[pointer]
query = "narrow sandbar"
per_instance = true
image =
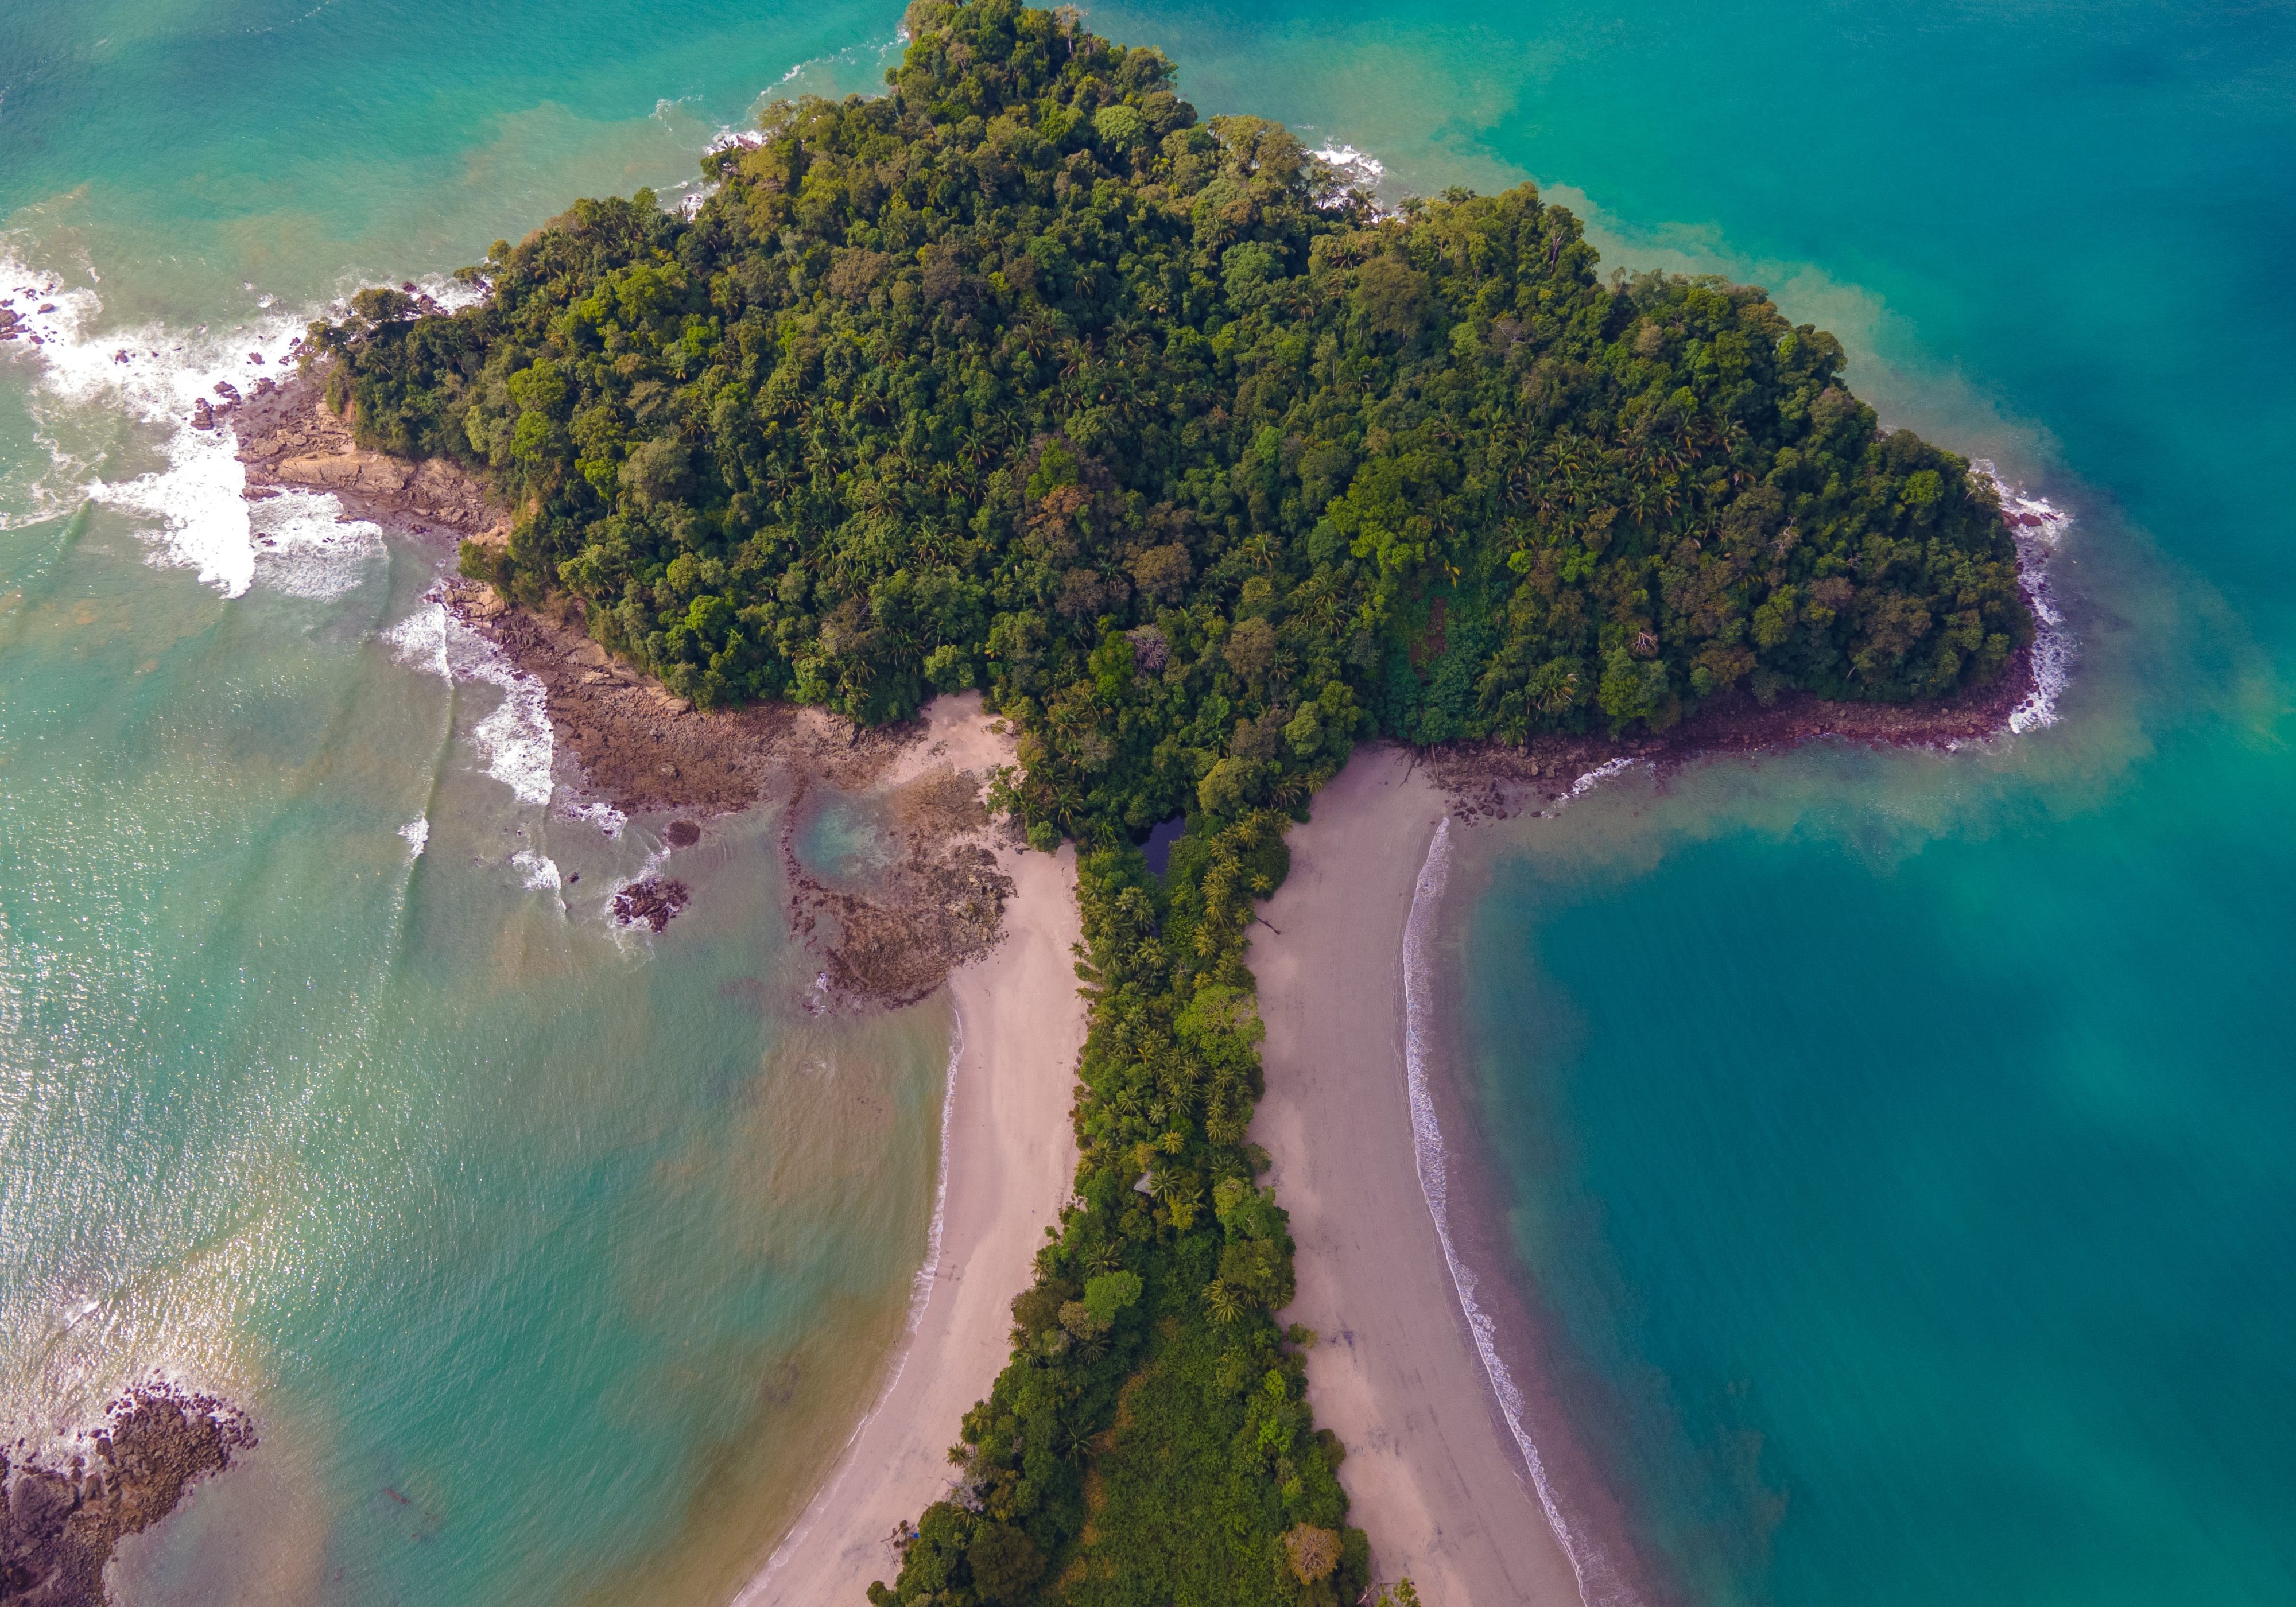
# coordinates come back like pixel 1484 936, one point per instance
pixel 1009 1160
pixel 1431 1471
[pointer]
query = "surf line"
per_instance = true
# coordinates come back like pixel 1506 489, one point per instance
pixel 920 1296
pixel 1594 1588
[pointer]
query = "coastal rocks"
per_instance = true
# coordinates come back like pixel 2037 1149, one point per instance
pixel 485 602
pixel 939 902
pixel 58 1524
pixel 643 750
pixel 365 471
pixel 1488 781
pixel 640 749
pixel 202 415
pixel 654 902
pixel 289 440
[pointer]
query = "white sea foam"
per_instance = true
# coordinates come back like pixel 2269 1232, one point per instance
pixel 304 546
pixel 1587 782
pixel 607 818
pixel 1352 170
pixel 2039 529
pixel 417 833
pixel 515 741
pixel 153 374
pixel 540 870
pixel 1357 165
pixel 194 509
pixel 420 640
pixel 1598 1584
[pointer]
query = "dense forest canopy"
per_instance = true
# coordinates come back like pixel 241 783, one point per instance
pixel 1020 376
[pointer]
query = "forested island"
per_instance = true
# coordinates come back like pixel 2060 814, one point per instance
pixel 1203 469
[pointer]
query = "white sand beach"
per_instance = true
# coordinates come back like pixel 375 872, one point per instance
pixel 1431 1472
pixel 1010 1159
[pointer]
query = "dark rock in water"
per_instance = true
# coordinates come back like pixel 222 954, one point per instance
pixel 58 1524
pixel 8 319
pixel 228 391
pixel 255 357
pixel 202 415
pixel 45 307
pixel 682 834
pixel 655 901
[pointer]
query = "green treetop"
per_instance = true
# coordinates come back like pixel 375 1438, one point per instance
pixel 1020 376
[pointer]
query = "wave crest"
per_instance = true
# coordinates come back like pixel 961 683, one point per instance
pixel 1598 1585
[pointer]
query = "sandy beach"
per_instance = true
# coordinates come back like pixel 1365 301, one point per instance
pixel 1009 1160
pixel 1430 1472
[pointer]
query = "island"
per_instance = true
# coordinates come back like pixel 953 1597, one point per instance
pixel 1202 468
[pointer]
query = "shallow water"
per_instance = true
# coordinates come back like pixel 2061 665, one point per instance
pixel 1891 1140
pixel 551 1258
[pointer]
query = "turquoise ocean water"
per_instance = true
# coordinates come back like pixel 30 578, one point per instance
pixel 1894 1145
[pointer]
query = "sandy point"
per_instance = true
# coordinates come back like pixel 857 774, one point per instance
pixel 1431 1472
pixel 1009 1160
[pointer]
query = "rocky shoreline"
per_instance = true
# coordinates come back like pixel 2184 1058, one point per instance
pixel 288 440
pixel 641 750
pixel 1494 781
pixel 58 1522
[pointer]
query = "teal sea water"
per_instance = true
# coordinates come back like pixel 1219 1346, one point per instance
pixel 1893 1145
pixel 553 1260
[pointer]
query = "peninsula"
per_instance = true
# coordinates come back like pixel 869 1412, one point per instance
pixel 1202 468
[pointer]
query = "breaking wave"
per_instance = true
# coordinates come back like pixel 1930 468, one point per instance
pixel 2040 527
pixel 193 509
pixel 515 744
pixel 1596 1586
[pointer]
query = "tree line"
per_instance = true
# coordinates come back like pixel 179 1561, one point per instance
pixel 1203 469
pixel 1022 377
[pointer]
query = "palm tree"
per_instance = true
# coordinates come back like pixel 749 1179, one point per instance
pixel 1075 1443
pixel 1220 1300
